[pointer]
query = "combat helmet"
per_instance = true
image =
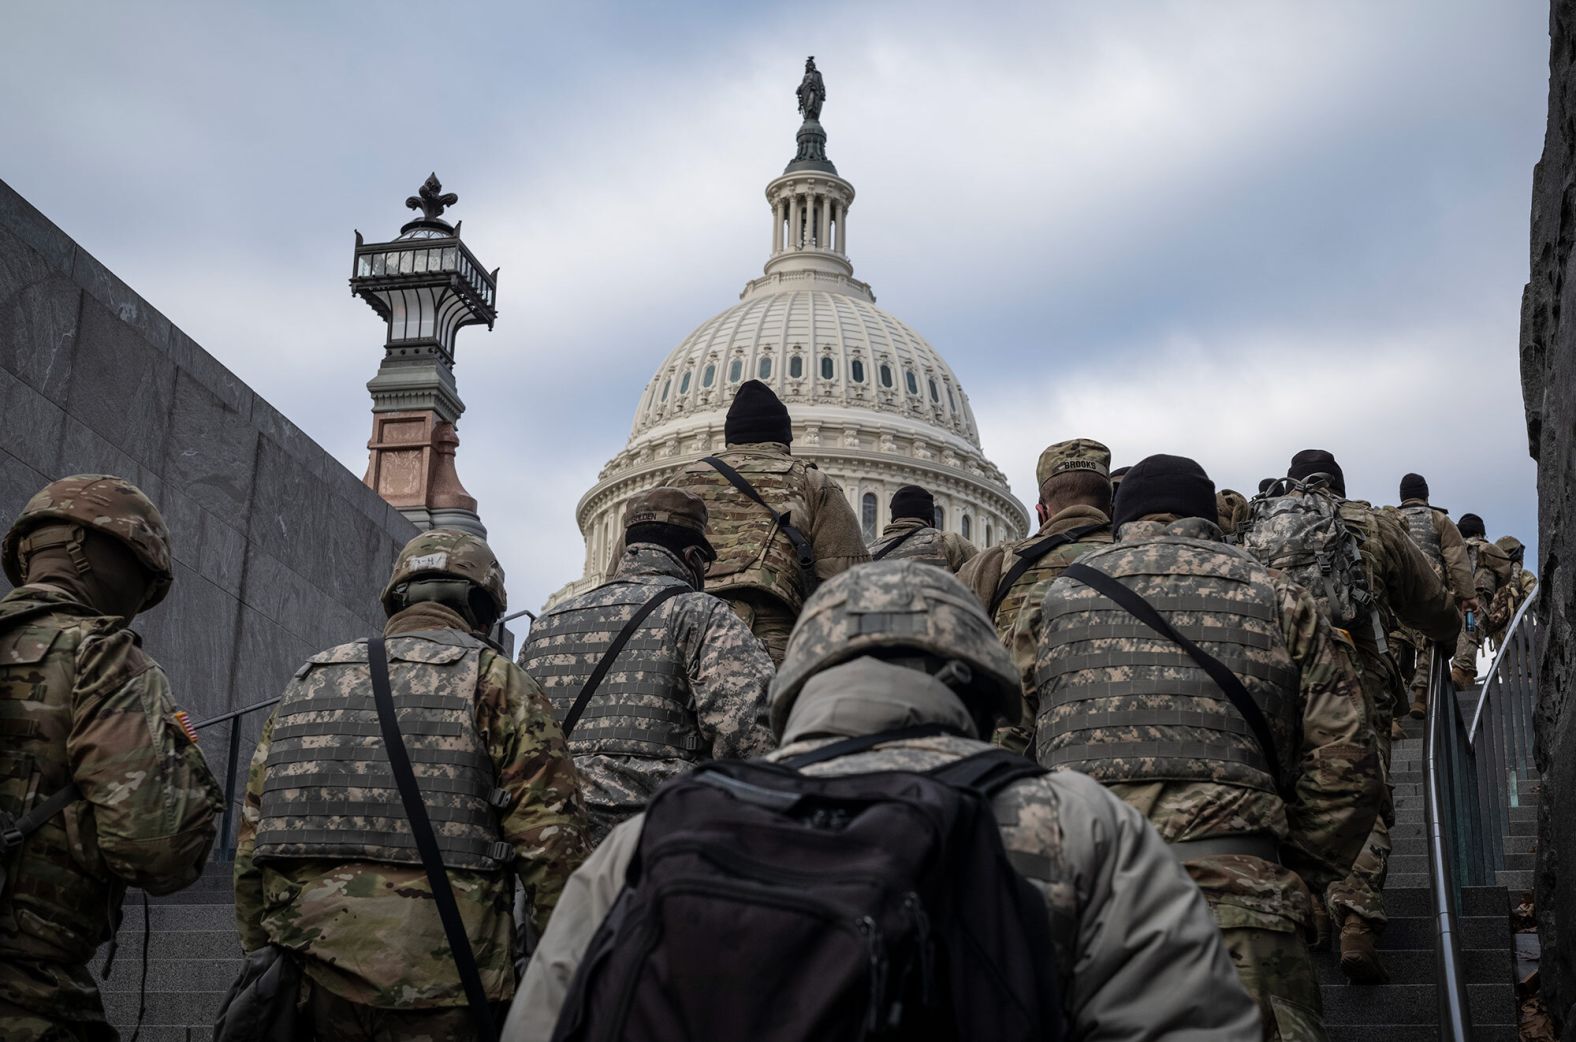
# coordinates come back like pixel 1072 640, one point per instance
pixel 446 553
pixel 1512 546
pixel 104 503
pixel 893 605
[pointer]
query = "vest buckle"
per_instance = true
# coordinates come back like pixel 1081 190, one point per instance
pixel 500 798
pixel 501 852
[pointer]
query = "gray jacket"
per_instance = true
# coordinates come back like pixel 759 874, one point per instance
pixel 1141 959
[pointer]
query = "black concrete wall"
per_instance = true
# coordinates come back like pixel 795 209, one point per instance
pixel 1548 354
pixel 279 550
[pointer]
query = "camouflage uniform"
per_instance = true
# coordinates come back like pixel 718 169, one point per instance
pixel 1508 598
pixel 364 923
pixel 1437 536
pixel 1286 654
pixel 690 685
pixel 81 703
pixel 1490 570
pixel 927 543
pixel 757 571
pixel 1106 878
pixel 1232 506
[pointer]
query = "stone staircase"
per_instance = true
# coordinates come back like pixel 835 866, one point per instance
pixel 193 957
pixel 1406 1009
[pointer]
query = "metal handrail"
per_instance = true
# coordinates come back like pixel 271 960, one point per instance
pixel 1455 1017
pixel 1505 644
pixel 227 823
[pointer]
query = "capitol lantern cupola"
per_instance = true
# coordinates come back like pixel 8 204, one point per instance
pixel 426 286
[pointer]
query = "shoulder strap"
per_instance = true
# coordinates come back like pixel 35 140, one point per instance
pixel 1030 554
pixel 859 743
pixel 12 834
pixel 801 545
pixel 894 544
pixel 987 772
pixel 1228 682
pixel 605 664
pixel 427 844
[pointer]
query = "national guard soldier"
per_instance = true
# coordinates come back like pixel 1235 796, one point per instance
pixel 347 895
pixel 1437 536
pixel 1250 751
pixel 689 684
pixel 779 525
pixel 900 650
pixel 1508 598
pixel 101 783
pixel 913 534
pixel 1074 510
pixel 1490 571
pixel 1398 588
pixel 1116 479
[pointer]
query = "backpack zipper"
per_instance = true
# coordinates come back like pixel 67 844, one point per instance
pixel 916 911
pixel 876 951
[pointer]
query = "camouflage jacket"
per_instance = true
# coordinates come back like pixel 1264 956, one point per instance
pixel 913 539
pixel 1337 787
pixel 1135 944
pixel 370 929
pixel 1017 618
pixel 80 702
pixel 1454 566
pixel 1507 601
pixel 1491 569
pixel 751 552
pixel 721 673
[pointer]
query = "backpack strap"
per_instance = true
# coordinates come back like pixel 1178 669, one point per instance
pixel 427 844
pixel 859 743
pixel 801 545
pixel 894 544
pixel 1228 682
pixel 605 664
pixel 13 832
pixel 987 772
pixel 1030 554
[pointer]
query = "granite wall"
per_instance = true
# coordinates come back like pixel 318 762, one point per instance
pixel 1548 353
pixel 279 550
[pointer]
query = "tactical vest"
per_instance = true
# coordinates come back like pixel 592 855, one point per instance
pixel 54 905
pixel 1121 703
pixel 925 545
pixel 643 706
pixel 1419 518
pixel 1047 567
pixel 752 551
pixel 329 792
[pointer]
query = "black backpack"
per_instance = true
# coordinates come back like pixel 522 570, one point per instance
pixel 769 905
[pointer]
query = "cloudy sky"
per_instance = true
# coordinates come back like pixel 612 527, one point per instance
pixel 1224 229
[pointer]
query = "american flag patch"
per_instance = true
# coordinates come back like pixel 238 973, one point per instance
pixel 186 725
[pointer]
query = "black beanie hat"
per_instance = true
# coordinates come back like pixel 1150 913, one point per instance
pixel 757 415
pixel 1414 486
pixel 1164 485
pixel 1309 462
pixel 914 501
pixel 1472 525
pixel 1264 485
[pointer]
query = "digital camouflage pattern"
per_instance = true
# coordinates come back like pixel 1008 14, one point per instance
pixel 1017 618
pixel 752 553
pixel 368 930
pixel 105 504
pixel 911 539
pixel 895 605
pixel 1232 508
pixel 690 685
pixel 81 702
pixel 326 743
pixel 447 553
pixel 1338 781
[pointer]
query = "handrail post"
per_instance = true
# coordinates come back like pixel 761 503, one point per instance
pixel 226 842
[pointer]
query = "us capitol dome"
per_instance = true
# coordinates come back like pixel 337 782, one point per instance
pixel 873 404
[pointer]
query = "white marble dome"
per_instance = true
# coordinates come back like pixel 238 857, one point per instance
pixel 873 404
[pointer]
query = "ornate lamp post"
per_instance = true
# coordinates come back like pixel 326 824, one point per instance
pixel 426 286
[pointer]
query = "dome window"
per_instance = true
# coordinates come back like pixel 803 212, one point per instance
pixel 828 368
pixel 708 376
pixel 684 383
pixel 952 403
pixel 941 517
pixel 856 370
pixel 867 515
pixel 886 375
pixel 968 527
pixel 990 534
pixel 912 384
pixel 935 392
pixel 764 370
pixel 796 367
pixel 735 370
pixel 666 384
